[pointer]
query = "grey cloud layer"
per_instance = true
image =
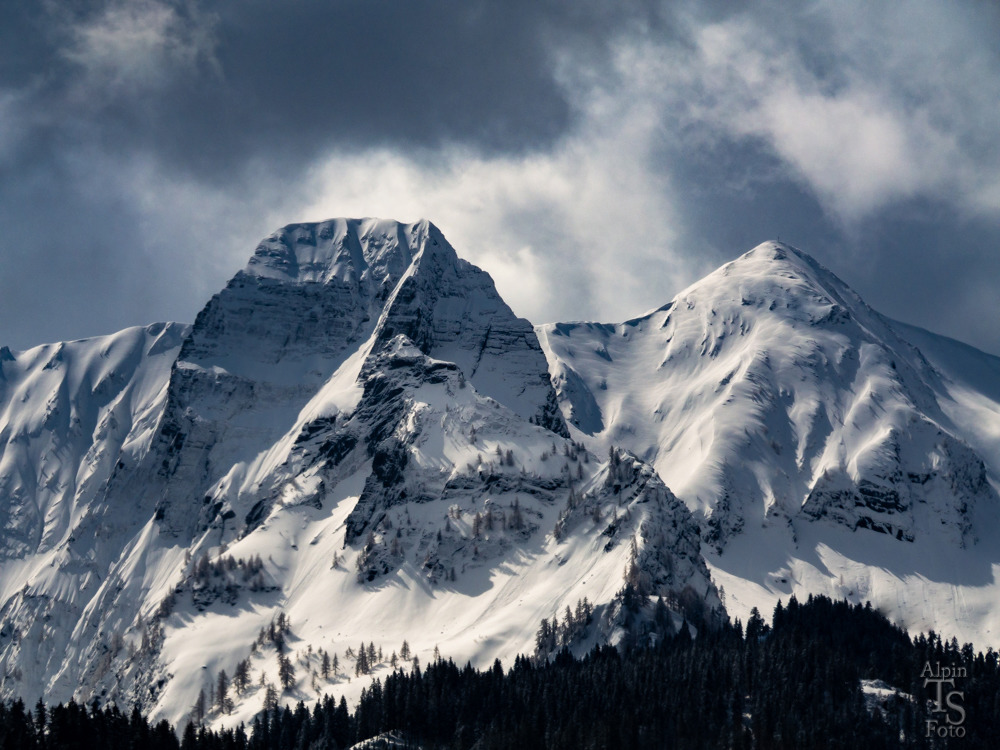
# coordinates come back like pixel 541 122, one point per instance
pixel 594 157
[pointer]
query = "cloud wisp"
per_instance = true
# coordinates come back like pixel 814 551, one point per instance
pixel 898 115
pixel 596 226
pixel 130 45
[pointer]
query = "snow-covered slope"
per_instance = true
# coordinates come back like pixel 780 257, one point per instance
pixel 356 441
pixel 65 413
pixel 969 389
pixel 820 448
pixel 70 415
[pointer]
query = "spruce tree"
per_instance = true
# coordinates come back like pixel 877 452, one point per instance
pixel 286 672
pixel 241 676
pixel 361 666
pixel 222 700
pixel 198 709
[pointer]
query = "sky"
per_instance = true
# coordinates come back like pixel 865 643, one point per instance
pixel 595 157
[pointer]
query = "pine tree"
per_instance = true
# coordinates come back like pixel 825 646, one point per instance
pixel 198 709
pixel 286 672
pixel 404 651
pixel 270 697
pixel 190 739
pixel 361 666
pixel 516 519
pixel 222 699
pixel 756 627
pixel 41 717
pixel 542 637
pixel 241 676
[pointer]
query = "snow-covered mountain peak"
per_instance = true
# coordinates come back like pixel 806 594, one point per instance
pixel 776 277
pixel 344 248
pixel 317 298
pixel 769 389
pixel 370 254
pixel 775 250
pixel 780 407
pixel 772 258
pixel 313 389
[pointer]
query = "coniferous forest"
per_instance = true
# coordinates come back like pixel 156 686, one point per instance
pixel 794 683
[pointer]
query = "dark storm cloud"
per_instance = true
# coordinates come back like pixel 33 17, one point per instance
pixel 222 94
pixel 618 150
pixel 209 85
pixel 109 109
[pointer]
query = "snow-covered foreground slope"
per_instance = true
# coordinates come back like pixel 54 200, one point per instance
pixel 821 450
pixel 357 441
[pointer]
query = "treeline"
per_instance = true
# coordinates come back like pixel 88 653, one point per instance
pixel 793 683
